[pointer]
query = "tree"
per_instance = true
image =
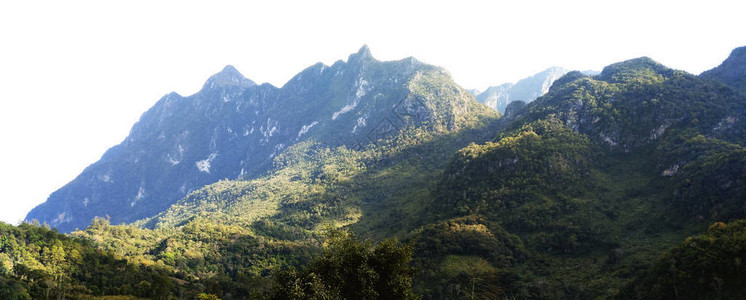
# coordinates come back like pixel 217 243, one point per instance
pixel 53 258
pixel 161 286
pixel 351 269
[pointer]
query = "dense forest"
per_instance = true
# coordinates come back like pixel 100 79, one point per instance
pixel 39 263
pixel 629 184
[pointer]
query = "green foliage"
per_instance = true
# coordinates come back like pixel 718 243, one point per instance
pixel 705 266
pixel 40 263
pixel 461 257
pixel 351 269
pixel 634 103
pixel 709 176
pixel 640 70
pixel 471 235
pixel 543 163
pixel 603 172
pixel 205 296
pixel 225 260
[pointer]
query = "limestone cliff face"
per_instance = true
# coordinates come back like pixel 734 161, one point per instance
pixel 233 128
pixel 526 90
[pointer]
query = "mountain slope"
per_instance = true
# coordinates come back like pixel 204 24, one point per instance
pixel 527 89
pixel 705 266
pixel 732 71
pixel 339 182
pixel 242 229
pixel 604 172
pixel 232 128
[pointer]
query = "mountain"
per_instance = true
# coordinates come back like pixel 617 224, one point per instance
pixel 235 233
pixel 233 128
pixel 527 89
pixel 629 184
pixel 603 172
pixel 732 71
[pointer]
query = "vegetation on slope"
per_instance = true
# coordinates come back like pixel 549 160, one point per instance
pixel 705 266
pixel 603 172
pixel 351 269
pixel 39 263
pixel 732 71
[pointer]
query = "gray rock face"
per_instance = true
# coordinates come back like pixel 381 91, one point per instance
pixel 496 97
pixel 233 128
pixel 527 89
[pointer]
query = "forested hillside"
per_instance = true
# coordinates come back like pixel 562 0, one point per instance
pixel 601 175
pixel 39 263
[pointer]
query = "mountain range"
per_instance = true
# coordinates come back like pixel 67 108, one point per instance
pixel 526 90
pixel 629 183
pixel 232 128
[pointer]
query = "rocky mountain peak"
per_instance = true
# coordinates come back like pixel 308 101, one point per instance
pixel 229 76
pixel 527 89
pixel 362 55
pixel 233 128
pixel 739 52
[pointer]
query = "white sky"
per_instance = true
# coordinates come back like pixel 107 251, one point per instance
pixel 76 75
